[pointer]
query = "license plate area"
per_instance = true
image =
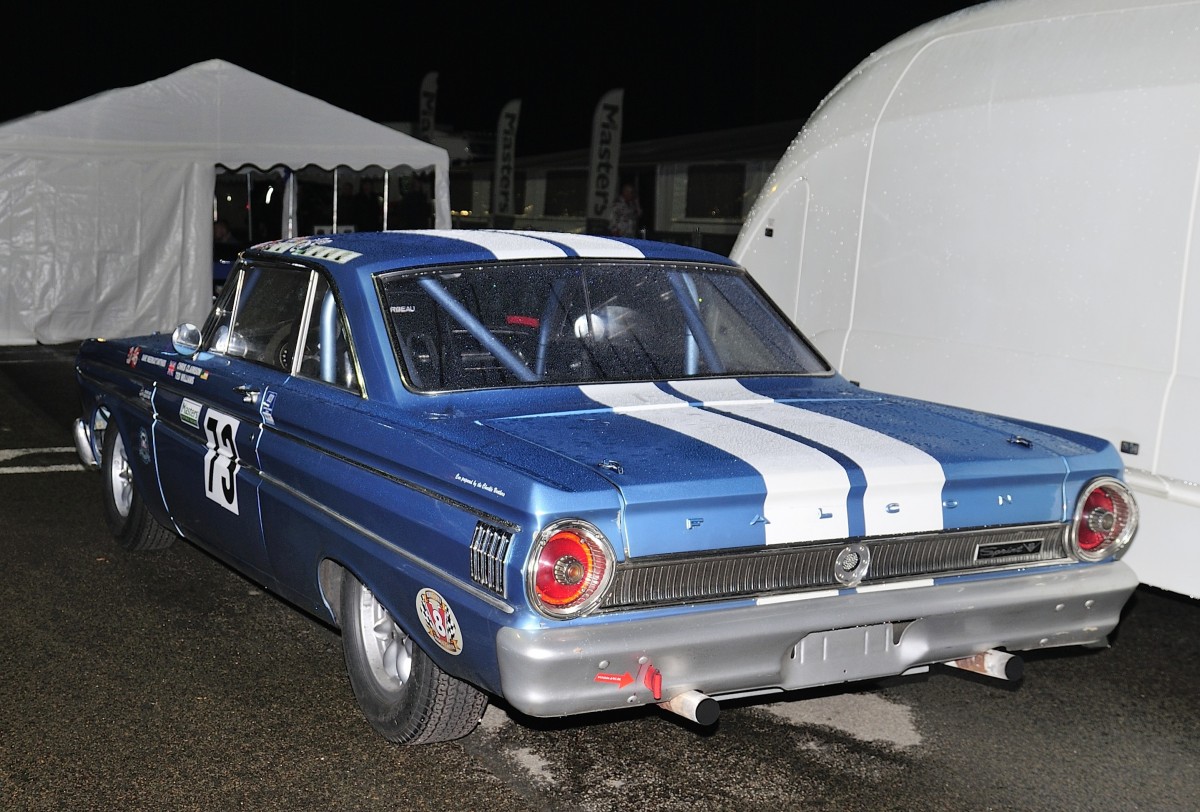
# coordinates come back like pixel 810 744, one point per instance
pixel 844 655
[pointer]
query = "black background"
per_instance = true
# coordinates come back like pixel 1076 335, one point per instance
pixel 685 68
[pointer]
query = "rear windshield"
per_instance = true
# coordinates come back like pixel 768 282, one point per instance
pixel 529 324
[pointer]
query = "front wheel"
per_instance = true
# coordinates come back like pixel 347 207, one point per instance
pixel 403 693
pixel 130 523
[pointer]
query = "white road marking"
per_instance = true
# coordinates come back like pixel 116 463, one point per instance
pixel 40 469
pixel 7 454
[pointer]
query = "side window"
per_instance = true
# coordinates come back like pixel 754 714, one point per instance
pixel 261 314
pixel 261 320
pixel 328 354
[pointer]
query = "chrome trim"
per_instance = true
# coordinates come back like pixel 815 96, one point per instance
pixel 466 586
pixel 743 649
pixel 83 445
pixel 782 569
pixel 489 551
pixel 450 501
pixel 587 604
pixel 1115 546
pixel 852 564
pixel 310 296
pixel 358 528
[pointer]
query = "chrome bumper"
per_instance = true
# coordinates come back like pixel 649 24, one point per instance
pixel 83 445
pixel 804 641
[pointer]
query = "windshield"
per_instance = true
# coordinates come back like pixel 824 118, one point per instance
pixel 511 325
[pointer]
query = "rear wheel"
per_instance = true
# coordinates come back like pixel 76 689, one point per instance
pixel 403 693
pixel 130 523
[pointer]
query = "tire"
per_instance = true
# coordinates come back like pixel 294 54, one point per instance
pixel 128 520
pixel 405 696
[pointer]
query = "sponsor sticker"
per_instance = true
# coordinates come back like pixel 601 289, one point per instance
pixel 187 373
pixel 439 621
pixel 318 248
pixel 143 446
pixel 131 357
pixel 189 412
pixel 266 407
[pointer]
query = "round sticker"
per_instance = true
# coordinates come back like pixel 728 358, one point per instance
pixel 439 621
pixel 143 446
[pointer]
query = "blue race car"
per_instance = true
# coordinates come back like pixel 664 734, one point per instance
pixel 582 473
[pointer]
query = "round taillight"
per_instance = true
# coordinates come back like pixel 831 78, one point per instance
pixel 570 566
pixel 1105 519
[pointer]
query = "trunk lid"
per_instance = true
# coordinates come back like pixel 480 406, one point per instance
pixel 712 464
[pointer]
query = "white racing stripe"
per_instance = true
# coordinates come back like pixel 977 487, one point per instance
pixel 589 245
pixel 524 245
pixel 806 490
pixel 509 245
pixel 904 484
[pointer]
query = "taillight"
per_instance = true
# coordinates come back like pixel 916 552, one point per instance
pixel 1105 519
pixel 569 568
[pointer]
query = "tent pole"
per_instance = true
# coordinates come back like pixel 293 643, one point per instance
pixel 250 208
pixel 335 200
pixel 386 189
pixel 289 204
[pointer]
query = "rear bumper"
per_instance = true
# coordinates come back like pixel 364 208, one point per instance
pixel 805 642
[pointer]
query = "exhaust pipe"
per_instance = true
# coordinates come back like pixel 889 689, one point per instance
pixel 993 663
pixel 699 708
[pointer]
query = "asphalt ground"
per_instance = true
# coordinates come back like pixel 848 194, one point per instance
pixel 165 681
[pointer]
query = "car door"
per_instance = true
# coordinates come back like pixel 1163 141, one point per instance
pixel 313 435
pixel 209 411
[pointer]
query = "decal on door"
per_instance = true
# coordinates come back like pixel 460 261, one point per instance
pixel 221 462
pixel 189 412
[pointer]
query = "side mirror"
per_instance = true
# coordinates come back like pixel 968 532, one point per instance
pixel 186 339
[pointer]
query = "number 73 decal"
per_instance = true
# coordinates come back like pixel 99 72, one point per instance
pixel 221 462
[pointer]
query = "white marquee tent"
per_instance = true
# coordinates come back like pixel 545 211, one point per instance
pixel 106 204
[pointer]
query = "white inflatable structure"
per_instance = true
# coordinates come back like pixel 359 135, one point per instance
pixel 999 210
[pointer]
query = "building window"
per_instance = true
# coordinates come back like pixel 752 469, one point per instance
pixel 462 191
pixel 715 191
pixel 566 193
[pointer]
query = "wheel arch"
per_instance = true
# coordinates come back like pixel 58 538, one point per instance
pixel 329 580
pixel 331 573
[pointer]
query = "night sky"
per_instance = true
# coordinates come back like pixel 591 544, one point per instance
pixel 684 69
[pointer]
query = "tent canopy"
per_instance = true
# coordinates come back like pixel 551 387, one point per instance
pixel 106 203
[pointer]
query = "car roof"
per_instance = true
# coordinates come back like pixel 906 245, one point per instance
pixel 375 251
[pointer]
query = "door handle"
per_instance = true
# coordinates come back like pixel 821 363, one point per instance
pixel 249 394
